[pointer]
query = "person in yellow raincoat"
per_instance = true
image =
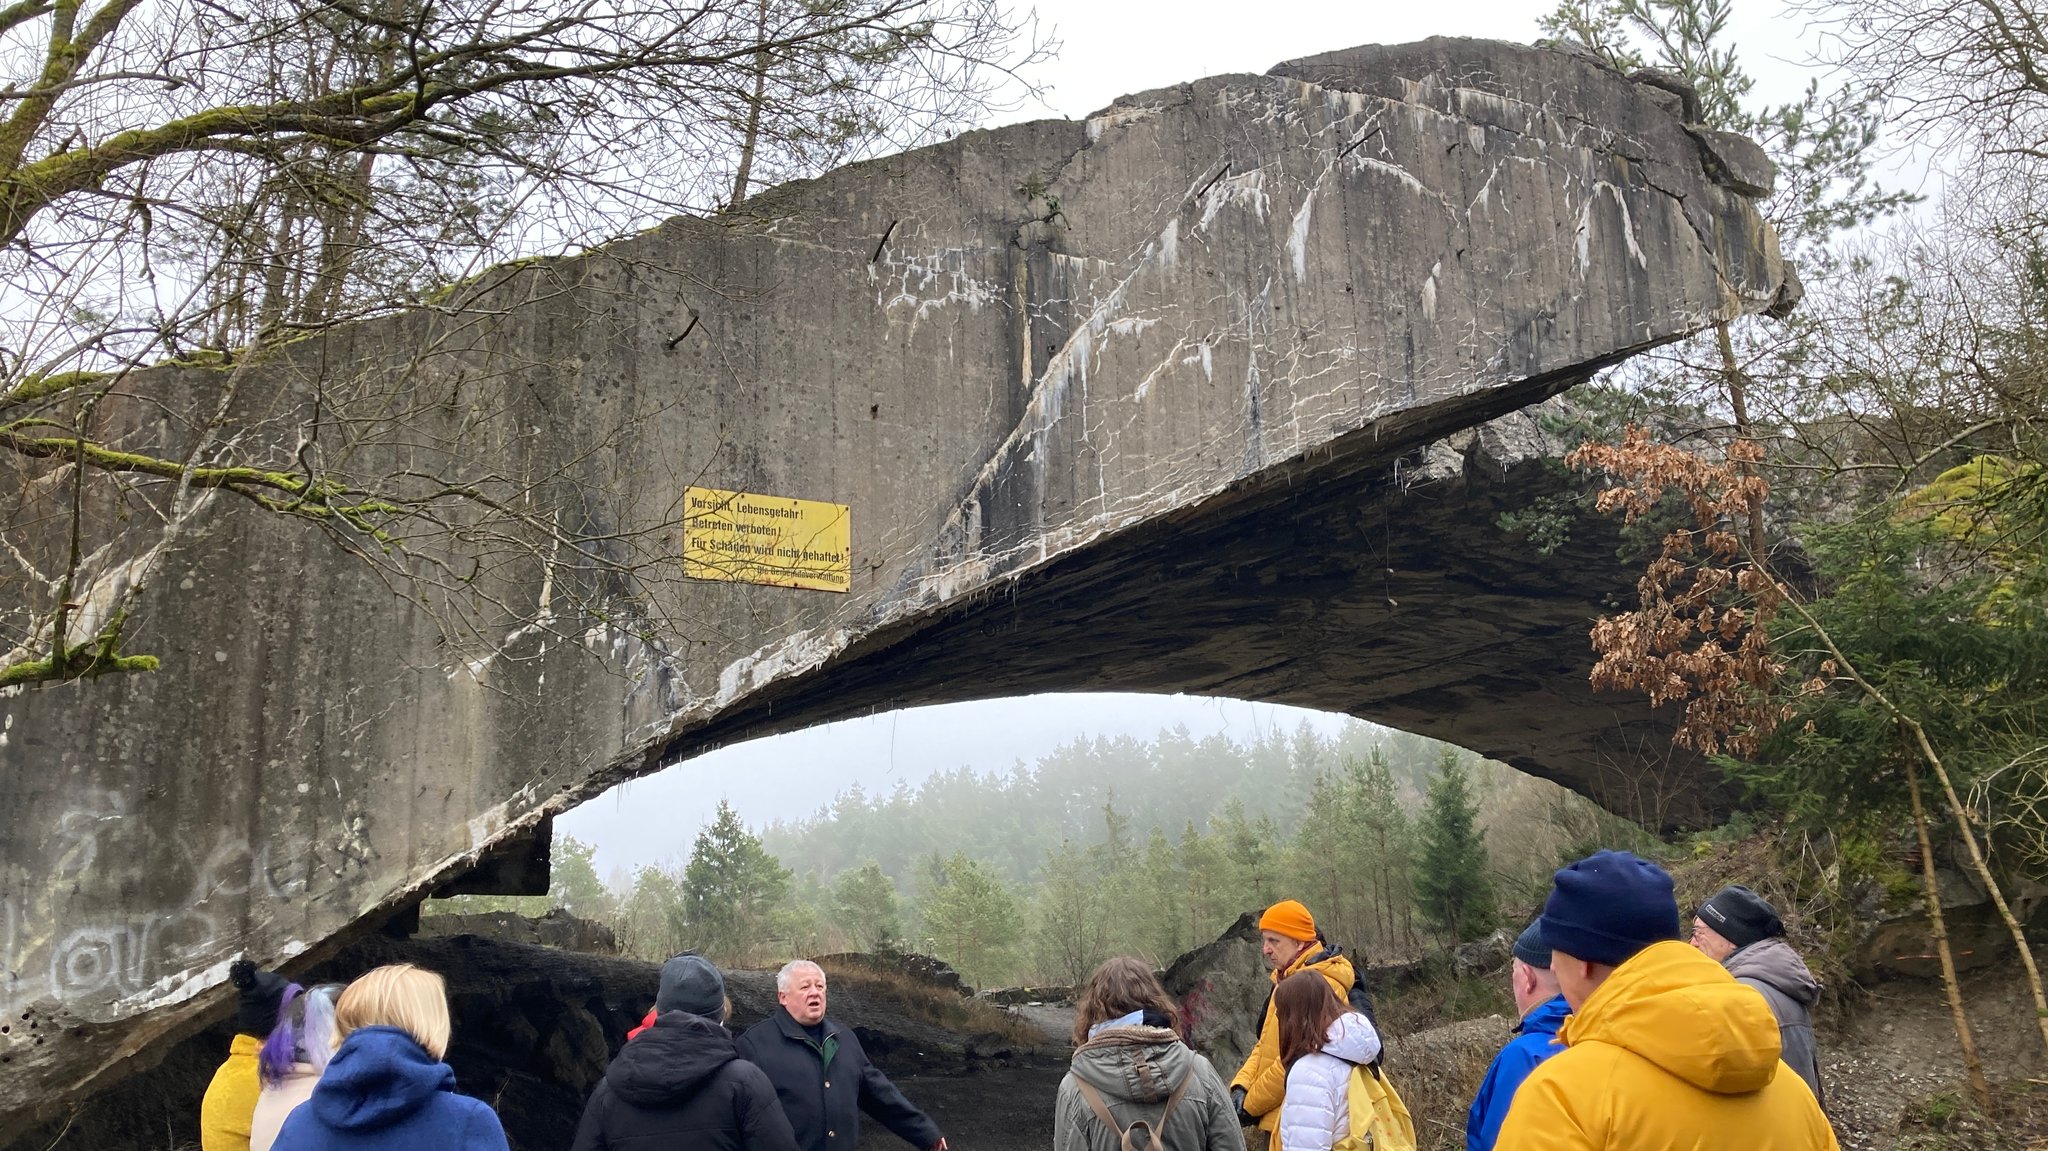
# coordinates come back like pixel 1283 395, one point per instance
pixel 1664 1049
pixel 228 1108
pixel 1290 942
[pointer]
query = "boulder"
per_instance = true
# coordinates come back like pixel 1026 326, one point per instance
pixel 557 929
pixel 1222 989
pixel 1900 942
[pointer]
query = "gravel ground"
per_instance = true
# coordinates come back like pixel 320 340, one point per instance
pixel 1898 1050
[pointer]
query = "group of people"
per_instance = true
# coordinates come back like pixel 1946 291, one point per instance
pixel 1629 1040
pixel 796 1081
pixel 332 1068
pixel 359 1068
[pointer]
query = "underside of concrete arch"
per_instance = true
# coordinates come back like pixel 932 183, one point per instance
pixel 1222 390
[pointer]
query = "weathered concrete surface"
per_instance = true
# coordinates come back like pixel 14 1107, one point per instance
pixel 1142 402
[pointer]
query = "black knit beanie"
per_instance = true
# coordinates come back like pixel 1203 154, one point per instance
pixel 259 992
pixel 689 983
pixel 1741 916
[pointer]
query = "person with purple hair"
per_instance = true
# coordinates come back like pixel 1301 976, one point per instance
pixel 292 1058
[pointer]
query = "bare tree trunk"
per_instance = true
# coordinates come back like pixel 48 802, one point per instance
pixel 277 265
pixel 342 217
pixel 1737 383
pixel 1924 750
pixel 1983 870
pixel 1949 983
pixel 746 169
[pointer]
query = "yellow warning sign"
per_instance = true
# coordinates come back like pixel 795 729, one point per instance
pixel 746 538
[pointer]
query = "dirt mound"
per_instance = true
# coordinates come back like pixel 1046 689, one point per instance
pixel 922 968
pixel 1438 1071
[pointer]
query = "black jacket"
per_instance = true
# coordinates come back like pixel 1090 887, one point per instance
pixel 681 1085
pixel 822 1101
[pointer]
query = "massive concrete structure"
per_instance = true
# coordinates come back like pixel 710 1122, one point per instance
pixel 1210 393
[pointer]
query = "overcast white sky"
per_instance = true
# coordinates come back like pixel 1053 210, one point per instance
pixel 1114 47
pixel 1109 48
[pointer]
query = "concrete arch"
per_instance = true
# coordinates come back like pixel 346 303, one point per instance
pixel 1212 392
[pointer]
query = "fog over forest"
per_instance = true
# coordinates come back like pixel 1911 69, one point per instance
pixel 1103 845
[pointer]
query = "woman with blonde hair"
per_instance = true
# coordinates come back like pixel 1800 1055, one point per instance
pixel 386 1087
pixel 1132 1082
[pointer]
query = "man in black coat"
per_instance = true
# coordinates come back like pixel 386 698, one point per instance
pixel 821 1074
pixel 680 1083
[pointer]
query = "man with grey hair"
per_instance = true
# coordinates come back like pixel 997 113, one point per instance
pixel 1741 931
pixel 820 1073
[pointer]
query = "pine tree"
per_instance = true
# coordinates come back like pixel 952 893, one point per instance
pixel 732 889
pixel 650 920
pixel 573 884
pixel 1071 930
pixel 864 904
pixel 1452 887
pixel 969 916
pixel 1392 845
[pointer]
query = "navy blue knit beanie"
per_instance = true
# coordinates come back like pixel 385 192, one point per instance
pixel 1608 906
pixel 1530 947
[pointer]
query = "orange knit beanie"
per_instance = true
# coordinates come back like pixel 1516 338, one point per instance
pixel 1288 917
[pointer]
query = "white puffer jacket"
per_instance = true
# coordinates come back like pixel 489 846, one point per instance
pixel 1317 1110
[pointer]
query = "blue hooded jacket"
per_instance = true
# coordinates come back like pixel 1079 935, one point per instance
pixel 382 1090
pixel 1530 1046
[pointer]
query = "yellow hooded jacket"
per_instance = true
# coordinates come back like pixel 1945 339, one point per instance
pixel 1263 1078
pixel 1670 1052
pixel 229 1106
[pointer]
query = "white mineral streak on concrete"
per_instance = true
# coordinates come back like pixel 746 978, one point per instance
pixel 1245 188
pixel 543 619
pixel 1168 362
pixel 1362 162
pixel 1118 117
pixel 485 825
pixel 1169 245
pixel 1429 291
pixel 1297 233
pixel 1585 228
pixel 1482 198
pixel 1496 108
pixel 176 987
pixel 786 659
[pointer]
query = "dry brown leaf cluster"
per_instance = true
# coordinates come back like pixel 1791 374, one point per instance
pixel 1701 636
